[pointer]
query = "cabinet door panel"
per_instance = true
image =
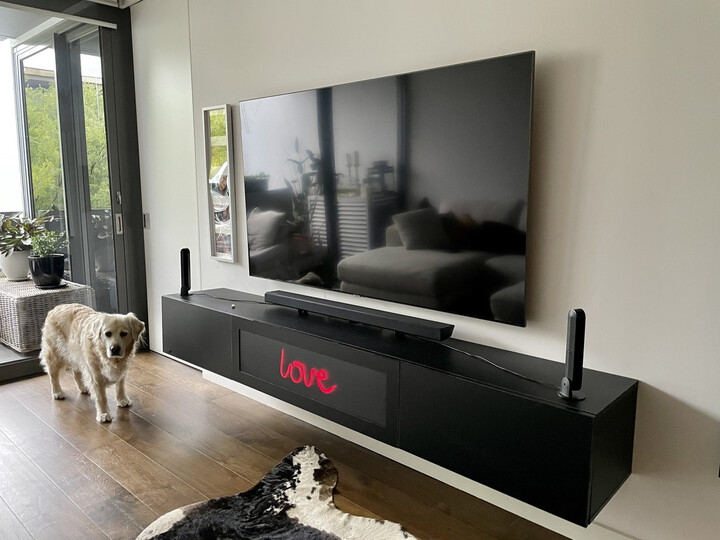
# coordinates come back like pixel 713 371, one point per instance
pixel 197 335
pixel 522 447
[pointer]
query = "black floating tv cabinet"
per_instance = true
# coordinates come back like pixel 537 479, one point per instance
pixel 510 434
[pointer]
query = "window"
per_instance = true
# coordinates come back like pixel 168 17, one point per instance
pixel 43 135
pixel 67 115
pixel 67 153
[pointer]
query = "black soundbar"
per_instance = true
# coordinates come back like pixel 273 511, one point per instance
pixel 373 317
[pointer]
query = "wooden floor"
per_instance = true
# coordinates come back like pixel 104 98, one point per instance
pixel 63 475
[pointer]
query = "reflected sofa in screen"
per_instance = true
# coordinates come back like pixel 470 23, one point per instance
pixel 469 259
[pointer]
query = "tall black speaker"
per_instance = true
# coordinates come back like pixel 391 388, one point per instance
pixel 184 272
pixel 572 382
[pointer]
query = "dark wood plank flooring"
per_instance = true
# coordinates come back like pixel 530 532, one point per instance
pixel 185 439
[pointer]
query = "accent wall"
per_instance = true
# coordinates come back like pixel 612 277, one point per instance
pixel 623 218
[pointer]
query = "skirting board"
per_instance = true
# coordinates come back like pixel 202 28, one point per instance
pixel 594 531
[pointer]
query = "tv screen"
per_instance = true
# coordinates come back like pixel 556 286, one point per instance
pixel 411 188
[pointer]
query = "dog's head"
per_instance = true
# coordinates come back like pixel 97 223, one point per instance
pixel 119 334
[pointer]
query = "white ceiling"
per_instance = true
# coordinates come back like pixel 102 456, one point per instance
pixel 15 22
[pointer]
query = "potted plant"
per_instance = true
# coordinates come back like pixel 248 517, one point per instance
pixel 16 234
pixel 47 264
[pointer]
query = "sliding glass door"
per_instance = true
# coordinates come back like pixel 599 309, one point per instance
pixel 39 94
pixel 67 154
pixel 85 156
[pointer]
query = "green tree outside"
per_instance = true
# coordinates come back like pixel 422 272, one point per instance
pixel 44 143
pixel 99 178
pixel 218 141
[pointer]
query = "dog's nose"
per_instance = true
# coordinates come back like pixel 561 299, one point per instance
pixel 115 350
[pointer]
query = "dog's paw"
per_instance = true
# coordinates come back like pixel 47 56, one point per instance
pixel 84 391
pixel 124 402
pixel 103 417
pixel 58 395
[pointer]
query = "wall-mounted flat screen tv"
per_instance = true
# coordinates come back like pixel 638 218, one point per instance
pixel 411 188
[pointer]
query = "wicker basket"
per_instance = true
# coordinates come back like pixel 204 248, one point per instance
pixel 23 308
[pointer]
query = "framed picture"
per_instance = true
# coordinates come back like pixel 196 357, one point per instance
pixel 220 175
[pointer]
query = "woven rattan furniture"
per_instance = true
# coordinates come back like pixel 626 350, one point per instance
pixel 23 308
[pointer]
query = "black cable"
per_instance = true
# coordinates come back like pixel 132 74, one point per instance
pixel 493 364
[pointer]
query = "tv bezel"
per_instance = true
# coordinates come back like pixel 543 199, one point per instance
pixel 306 287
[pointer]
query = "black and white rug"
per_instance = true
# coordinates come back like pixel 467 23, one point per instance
pixel 293 500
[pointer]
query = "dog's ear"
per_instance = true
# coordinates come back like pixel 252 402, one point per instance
pixel 96 327
pixel 137 327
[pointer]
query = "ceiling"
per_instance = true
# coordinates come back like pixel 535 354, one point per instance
pixel 15 22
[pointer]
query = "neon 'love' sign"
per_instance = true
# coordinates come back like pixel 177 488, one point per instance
pixel 298 373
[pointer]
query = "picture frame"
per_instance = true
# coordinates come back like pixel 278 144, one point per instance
pixel 220 181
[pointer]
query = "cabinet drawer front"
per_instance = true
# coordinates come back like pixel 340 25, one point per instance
pixel 531 451
pixel 349 386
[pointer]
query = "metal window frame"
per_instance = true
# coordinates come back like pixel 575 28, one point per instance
pixel 114 27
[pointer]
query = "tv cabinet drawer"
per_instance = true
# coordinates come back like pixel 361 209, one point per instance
pixel 197 335
pixel 527 449
pixel 346 385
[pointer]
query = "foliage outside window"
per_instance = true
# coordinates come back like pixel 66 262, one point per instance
pixel 44 139
pixel 218 142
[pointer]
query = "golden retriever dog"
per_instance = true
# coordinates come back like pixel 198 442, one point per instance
pixel 96 347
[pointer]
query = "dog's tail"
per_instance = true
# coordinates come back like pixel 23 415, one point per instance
pixel 141 343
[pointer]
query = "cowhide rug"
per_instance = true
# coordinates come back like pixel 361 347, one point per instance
pixel 293 500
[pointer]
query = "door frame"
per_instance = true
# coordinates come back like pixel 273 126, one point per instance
pixel 115 35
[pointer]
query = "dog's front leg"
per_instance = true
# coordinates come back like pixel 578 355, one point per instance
pixel 101 406
pixel 122 398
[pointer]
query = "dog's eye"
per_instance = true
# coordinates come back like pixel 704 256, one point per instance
pixel 123 334
pixel 108 333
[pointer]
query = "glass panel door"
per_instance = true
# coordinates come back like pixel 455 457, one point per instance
pixel 43 135
pixel 94 174
pixel 64 108
pixel 46 180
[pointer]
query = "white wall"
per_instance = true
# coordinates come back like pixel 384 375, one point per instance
pixel 11 198
pixel 161 55
pixel 623 217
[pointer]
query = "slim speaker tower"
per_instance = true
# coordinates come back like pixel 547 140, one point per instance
pixel 572 382
pixel 184 272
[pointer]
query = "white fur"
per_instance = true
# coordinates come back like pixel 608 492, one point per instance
pixel 314 507
pixel 165 523
pixel 96 347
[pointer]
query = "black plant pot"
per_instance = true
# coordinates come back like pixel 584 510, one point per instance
pixel 47 271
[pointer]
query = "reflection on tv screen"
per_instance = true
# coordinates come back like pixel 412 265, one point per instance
pixel 411 188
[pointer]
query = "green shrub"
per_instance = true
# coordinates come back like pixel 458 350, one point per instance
pixel 17 233
pixel 47 243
